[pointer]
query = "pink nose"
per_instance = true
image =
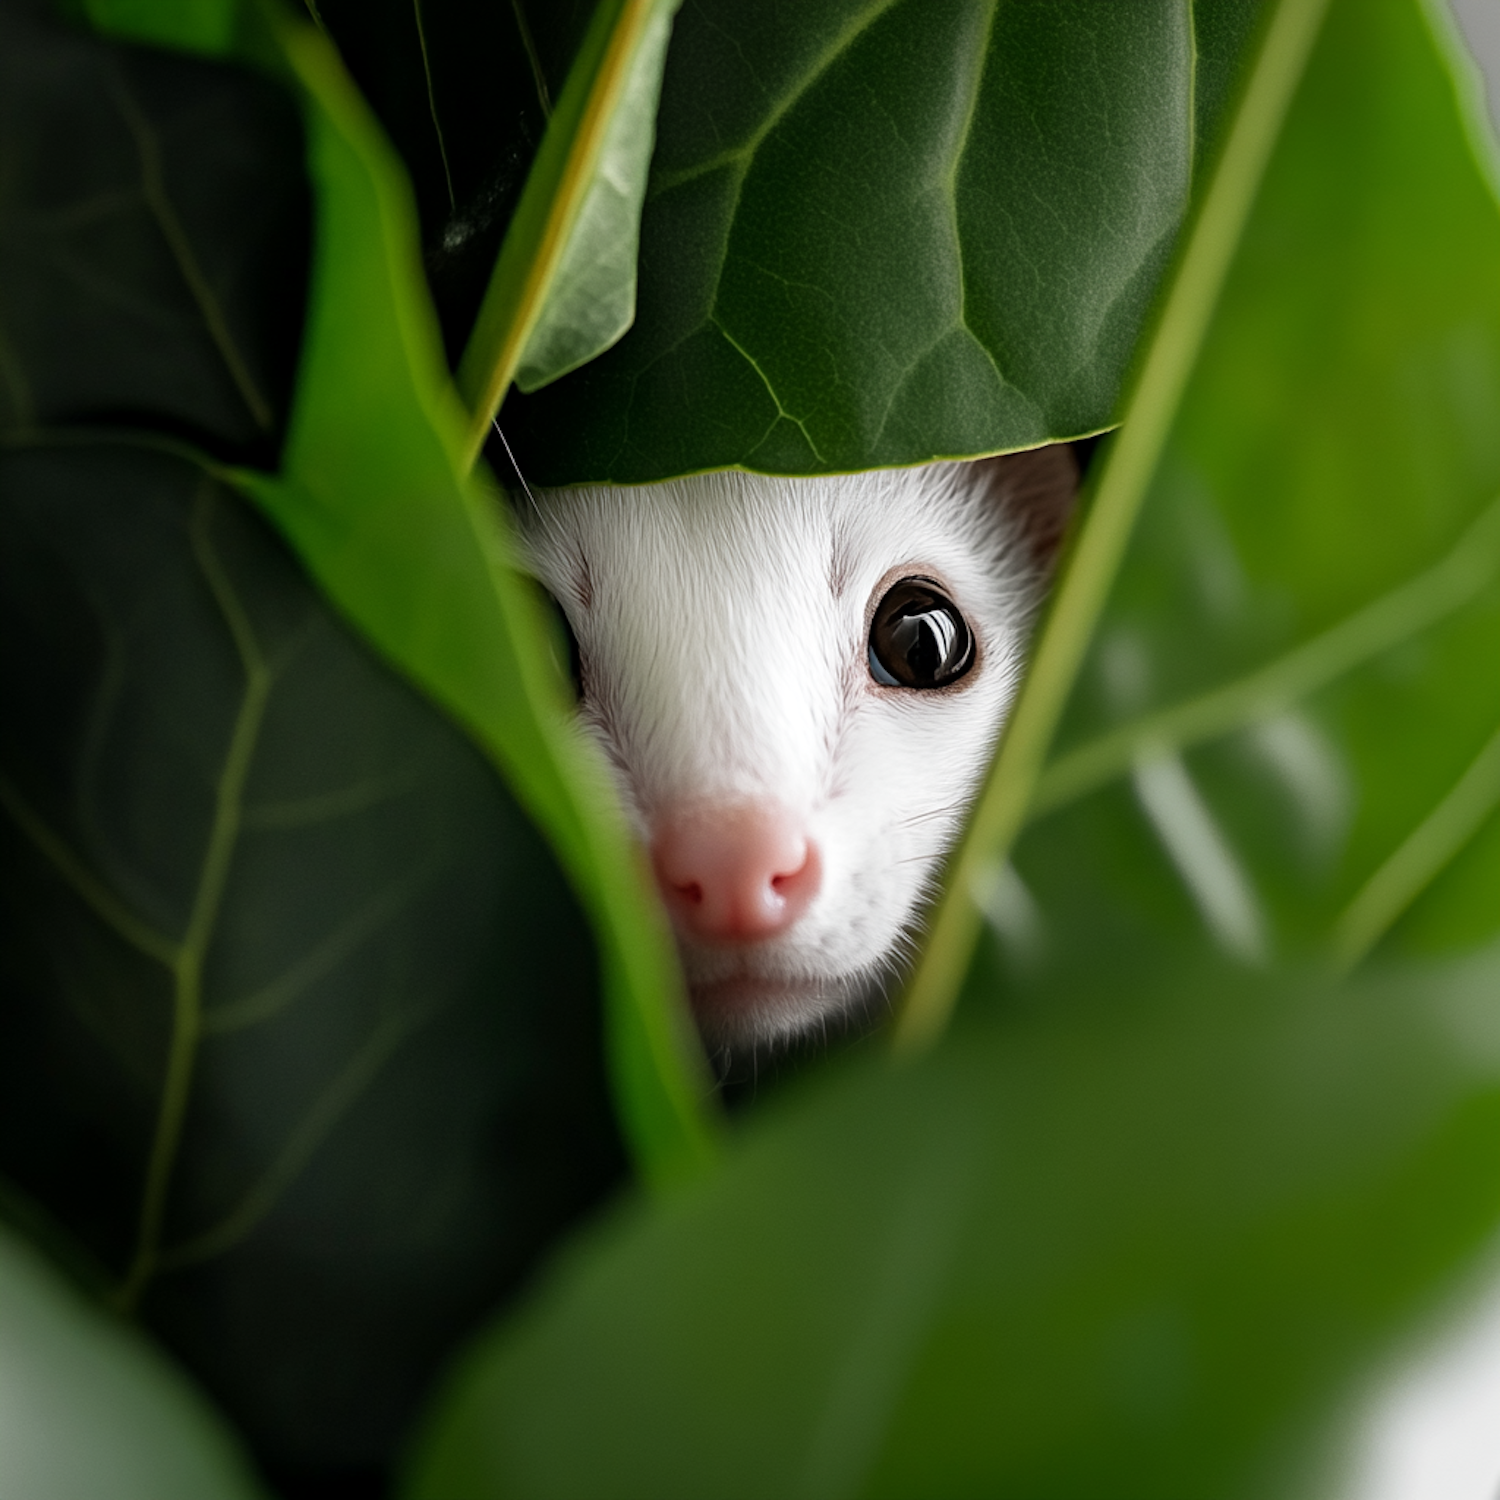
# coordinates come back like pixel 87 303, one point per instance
pixel 735 872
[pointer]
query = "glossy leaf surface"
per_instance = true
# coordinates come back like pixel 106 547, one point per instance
pixel 876 233
pixel 90 1409
pixel 1151 1214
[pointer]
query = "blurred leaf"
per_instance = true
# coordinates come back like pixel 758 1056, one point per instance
pixel 1131 1253
pixel 881 232
pixel 89 1409
pixel 1145 1220
pixel 564 285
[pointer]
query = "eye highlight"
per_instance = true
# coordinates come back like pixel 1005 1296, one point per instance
pixel 918 638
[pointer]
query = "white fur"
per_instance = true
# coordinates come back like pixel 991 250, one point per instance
pixel 723 623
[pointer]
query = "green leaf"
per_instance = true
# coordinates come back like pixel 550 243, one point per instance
pixel 591 301
pixel 153 272
pixel 274 939
pixel 1135 1250
pixel 563 287
pixel 90 1409
pixel 301 1041
pixel 375 496
pixel 878 232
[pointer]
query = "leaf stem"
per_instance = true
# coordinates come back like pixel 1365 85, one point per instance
pixel 550 203
pixel 1419 860
pixel 1468 569
pixel 1132 461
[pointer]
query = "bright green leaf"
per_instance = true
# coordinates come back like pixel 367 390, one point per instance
pixel 374 497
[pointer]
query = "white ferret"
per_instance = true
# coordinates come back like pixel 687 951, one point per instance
pixel 799 684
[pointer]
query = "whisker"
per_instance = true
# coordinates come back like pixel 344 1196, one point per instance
pixel 937 812
pixel 526 488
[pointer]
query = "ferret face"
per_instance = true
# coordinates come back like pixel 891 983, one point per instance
pixel 799 684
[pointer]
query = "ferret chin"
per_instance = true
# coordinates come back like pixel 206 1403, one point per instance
pixel 798 684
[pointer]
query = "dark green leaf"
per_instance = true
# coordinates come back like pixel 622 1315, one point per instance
pixel 376 496
pixel 464 92
pixel 91 1410
pixel 300 1037
pixel 881 232
pixel 153 241
pixel 300 1040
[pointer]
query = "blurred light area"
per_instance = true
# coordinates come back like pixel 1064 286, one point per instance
pixel 1433 1431
pixel 1479 20
pixel 1204 858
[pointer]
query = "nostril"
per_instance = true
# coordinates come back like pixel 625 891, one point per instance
pixel 734 872
pixel 789 884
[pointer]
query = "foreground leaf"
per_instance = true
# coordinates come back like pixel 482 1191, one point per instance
pixel 1132 1254
pixel 375 495
pixel 301 1034
pixel 91 1410
pixel 876 233
pixel 300 1039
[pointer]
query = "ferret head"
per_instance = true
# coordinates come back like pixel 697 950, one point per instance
pixel 799 684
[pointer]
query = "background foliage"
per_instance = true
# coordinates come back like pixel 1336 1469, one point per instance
pixel 309 960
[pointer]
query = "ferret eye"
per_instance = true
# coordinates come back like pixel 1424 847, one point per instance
pixel 918 639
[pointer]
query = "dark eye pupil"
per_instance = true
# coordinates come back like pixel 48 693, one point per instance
pixel 918 639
